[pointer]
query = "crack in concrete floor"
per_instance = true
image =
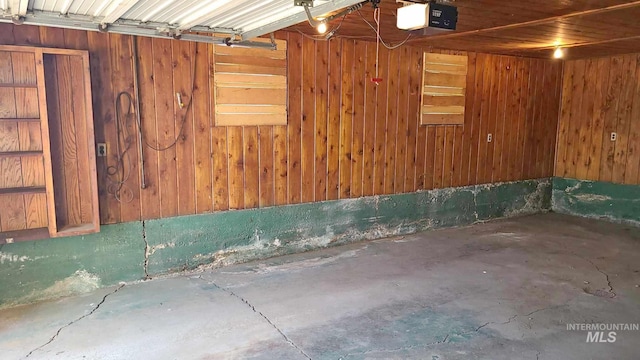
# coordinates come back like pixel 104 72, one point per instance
pixel 104 298
pixel 286 338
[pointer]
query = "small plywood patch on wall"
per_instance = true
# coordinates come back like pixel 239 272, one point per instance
pixel 444 81
pixel 250 85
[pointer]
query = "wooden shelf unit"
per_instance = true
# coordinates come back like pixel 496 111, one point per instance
pixel 47 145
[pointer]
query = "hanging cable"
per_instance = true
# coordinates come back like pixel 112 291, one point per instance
pixel 118 174
pixel 377 31
pixel 376 18
pixel 186 107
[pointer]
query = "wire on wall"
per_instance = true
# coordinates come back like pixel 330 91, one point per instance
pixel 119 173
pixel 377 31
pixel 186 107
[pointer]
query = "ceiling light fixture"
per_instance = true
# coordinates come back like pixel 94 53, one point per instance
pixel 558 53
pixel 321 25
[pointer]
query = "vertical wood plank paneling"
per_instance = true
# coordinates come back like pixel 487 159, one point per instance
pixel 68 128
pixel 584 120
pixel 280 164
pixel 346 118
pixel 6 33
pixel 513 118
pixel 150 196
pixel 220 153
pixel 235 143
pixel 401 132
pixel 439 153
pixel 28 35
pixel 80 121
pixel 565 115
pixel 294 78
pixel 370 122
pixel 552 113
pixel 122 81
pixel 308 136
pixel 333 122
pixel 595 153
pixel 103 116
pixel 266 142
pixel 430 156
pixel 346 137
pixel 380 150
pixel 539 118
pixel 633 151
pixel 251 167
pixel 357 152
pixel 616 82
pixel 499 135
pixel 487 101
pixel 202 130
pixel 165 126
pixel 184 58
pixel 577 90
pixel 610 102
pixel 476 114
pixel 413 120
pixel 625 109
pixel 467 130
pixel 54 37
pixel 495 112
pixel 321 110
pixel 448 153
pixel 533 112
pixel 391 128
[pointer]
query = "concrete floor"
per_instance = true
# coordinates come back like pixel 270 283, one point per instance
pixel 500 290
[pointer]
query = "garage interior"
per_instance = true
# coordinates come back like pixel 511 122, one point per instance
pixel 184 179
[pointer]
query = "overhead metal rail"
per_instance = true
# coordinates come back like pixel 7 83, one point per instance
pixel 230 22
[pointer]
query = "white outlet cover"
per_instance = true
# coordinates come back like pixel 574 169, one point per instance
pixel 489 137
pixel 614 136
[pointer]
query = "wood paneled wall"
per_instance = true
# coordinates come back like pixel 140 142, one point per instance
pixel 600 96
pixel 346 137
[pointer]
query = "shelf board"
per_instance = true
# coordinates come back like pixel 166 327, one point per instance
pixel 23 190
pixel 21 119
pixel 23 235
pixel 20 153
pixel 18 86
pixel 73 230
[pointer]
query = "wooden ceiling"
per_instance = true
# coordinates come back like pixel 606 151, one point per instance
pixel 586 28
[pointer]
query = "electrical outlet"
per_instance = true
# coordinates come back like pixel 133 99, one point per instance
pixel 101 150
pixel 614 136
pixel 489 137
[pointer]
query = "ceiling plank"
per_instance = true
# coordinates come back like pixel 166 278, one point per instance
pixel 540 21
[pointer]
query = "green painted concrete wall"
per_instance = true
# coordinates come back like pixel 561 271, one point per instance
pixel 38 270
pixel 595 199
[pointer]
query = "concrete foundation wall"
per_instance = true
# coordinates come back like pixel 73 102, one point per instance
pixel 33 271
pixel 596 199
